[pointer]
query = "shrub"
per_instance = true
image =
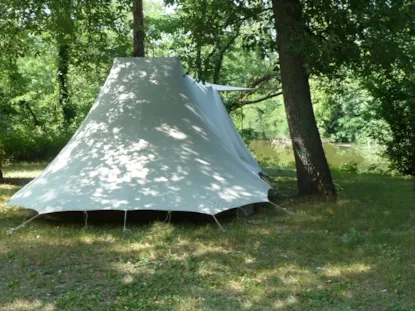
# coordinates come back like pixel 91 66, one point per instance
pixel 350 167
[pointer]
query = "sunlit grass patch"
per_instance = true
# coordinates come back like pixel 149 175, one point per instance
pixel 23 304
pixel 28 170
pixel 338 271
pixel 8 187
pixel 354 254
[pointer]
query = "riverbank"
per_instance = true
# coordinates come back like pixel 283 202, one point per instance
pixel 354 254
pixel 361 158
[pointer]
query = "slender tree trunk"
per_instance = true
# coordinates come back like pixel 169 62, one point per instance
pixel 198 63
pixel 217 68
pixel 199 34
pixel 62 74
pixel 221 54
pixel 1 160
pixel 313 173
pixel 139 34
pixel 63 23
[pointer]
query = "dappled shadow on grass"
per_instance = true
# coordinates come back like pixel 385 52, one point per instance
pixel 330 256
pixel 368 202
pixel 267 262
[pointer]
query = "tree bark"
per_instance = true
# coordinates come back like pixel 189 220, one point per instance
pixel 139 33
pixel 62 74
pixel 313 173
pixel 200 72
pixel 218 68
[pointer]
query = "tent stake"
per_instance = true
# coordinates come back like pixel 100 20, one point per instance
pixel 86 220
pixel 220 226
pixel 284 195
pixel 25 215
pixel 240 209
pixel 11 231
pixel 168 217
pixel 283 209
pixel 124 229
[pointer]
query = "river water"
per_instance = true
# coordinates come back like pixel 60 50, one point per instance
pixel 338 155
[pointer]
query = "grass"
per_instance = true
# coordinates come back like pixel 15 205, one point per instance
pixel 356 254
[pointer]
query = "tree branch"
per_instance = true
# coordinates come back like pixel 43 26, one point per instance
pixel 242 19
pixel 35 119
pixel 236 104
pixel 255 101
pixel 265 78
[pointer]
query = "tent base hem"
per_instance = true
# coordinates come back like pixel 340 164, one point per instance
pixel 247 210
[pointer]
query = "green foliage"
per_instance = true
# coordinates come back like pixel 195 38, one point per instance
pixel 266 118
pixel 19 145
pixel 265 161
pixel 342 109
pixel 32 126
pixel 380 108
pixel 350 167
pixel 55 55
pixel 361 53
pixel 396 105
pixel 248 135
pixel 206 30
pixel 389 77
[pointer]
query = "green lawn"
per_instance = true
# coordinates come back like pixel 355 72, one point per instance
pixel 357 254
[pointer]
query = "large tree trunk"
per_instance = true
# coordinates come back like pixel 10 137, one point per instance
pixel 139 34
pixel 313 173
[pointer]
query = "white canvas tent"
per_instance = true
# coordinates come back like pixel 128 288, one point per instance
pixel 154 140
